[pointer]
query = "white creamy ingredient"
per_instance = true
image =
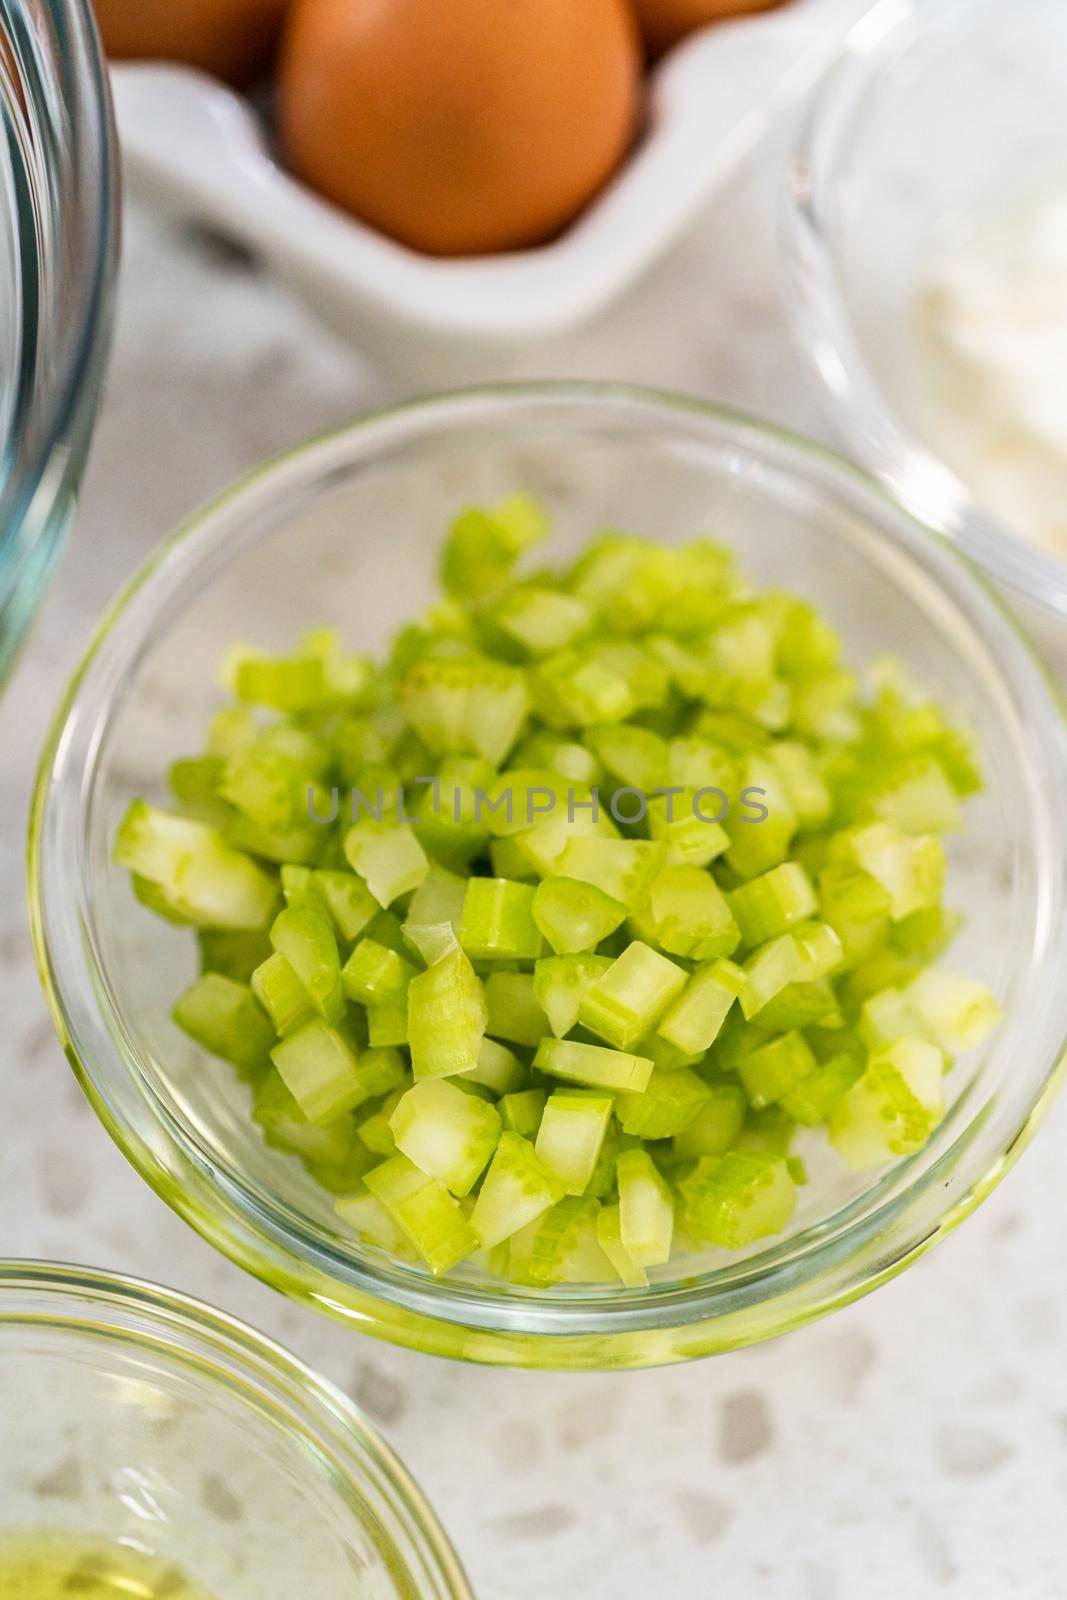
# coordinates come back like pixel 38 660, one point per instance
pixel 994 321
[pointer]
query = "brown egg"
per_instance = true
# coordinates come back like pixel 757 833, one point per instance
pixel 460 126
pixel 233 39
pixel 666 21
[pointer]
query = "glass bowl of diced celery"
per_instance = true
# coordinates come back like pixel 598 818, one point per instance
pixel 560 876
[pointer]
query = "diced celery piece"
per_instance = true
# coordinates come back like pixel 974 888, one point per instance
pixel 735 1199
pixel 812 1101
pixel 498 921
pixel 267 787
pixel 447 1017
pixel 571 689
pixel 466 706
pixel 424 1210
pixel 620 868
pixel 775 1068
pixel 762 826
pixel 231 729
pixel 235 955
pixel 302 844
pixel 886 1016
pixel 919 799
pixel 768 971
pixel 856 906
pixel 226 1019
pixel 203 880
pixel 498 1069
pixel 693 1021
pixel 377 1135
pixel 348 900
pixel 438 899
pixel 306 940
pixel 570 1135
pixel 806 787
pixel 450 825
pixel 374 1223
pixel 293 685
pixel 592 1065
pixel 683 824
pixel 333 1155
pixel 514 1012
pixel 375 975
pixel 522 1112
pixel 667 1105
pixel 195 785
pixel 686 914
pixel 926 934
pixel 609 1237
pixel 299 888
pixel 483 545
pixel 893 1108
pixel 575 916
pixel 771 904
pixel 631 997
pixel 321 1072
pixel 446 1133
pixel 560 982
pixel 565 1248
pixel 281 994
pixel 391 861
pixel 717 1124
pixel 636 756
pixel 646 1210
pixel 540 621
pixel 911 869
pixel 956 1013
pixel 516 1190
pixel 388 1024
pixel 800 1005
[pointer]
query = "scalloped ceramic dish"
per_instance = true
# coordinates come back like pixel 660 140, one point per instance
pixel 206 152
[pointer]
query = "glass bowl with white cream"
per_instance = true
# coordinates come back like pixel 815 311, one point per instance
pixel 927 256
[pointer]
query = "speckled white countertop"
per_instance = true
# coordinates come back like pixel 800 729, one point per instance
pixel 913 1446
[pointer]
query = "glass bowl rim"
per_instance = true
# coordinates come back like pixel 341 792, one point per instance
pixel 816 305
pixel 452 1319
pixel 229 1352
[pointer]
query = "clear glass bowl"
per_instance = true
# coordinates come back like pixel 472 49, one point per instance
pixel 937 120
pixel 345 531
pixel 131 1414
pixel 58 237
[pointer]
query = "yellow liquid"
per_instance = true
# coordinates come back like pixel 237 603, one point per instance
pixel 45 1566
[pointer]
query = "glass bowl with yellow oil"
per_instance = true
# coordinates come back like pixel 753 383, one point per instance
pixel 153 1449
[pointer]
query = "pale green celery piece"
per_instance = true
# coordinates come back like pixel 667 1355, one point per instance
pixel 537 851
pixel 696 763
pixel 267 787
pixel 390 860
pixel 919 799
pixel 856 906
pixel 387 1025
pixel 200 878
pixel 926 934
pixel 516 1190
pixel 333 1154
pixel 685 824
pixel 498 1069
pixel 484 544
pixel 565 1248
pixel 508 859
pixel 886 1016
pixel 294 684
pixel 300 889
pixel 571 1133
pixel 807 645
pixel 517 1252
pixel 466 705
pixel 735 1199
pixel 819 949
pixel 693 1022
pixel 574 916
pixel 375 975
pixel 686 914
pixel 801 776
pixel 620 868
pixel 648 679
pixel 234 955
pixel 281 994
pixel 910 869
pixel 812 1101
pixel 321 1072
pixel 548 751
pixel 516 800
pixel 768 971
pixel 514 1013
pixel 717 1124
pixel 631 997
pixel 232 729
pixel 956 1013
pixel 893 1108
pixel 627 580
pixel 646 1210
pixel 348 900
pixel 498 922
pixel 759 842
pixel 195 784
pixel 305 938
pixel 373 1223
pixel 451 825
pixel 226 1019
pixel 541 621
pixel 636 756
pixel 302 844
pixel 431 940
pixel 824 709
pixel 801 1005
pixel 592 1065
pixel 667 1057
pixel 424 1210
pixel 569 689
pixel 447 1017
pixel 609 1237
pixel 447 1134
pixel 438 900
pixel 559 984
pixel 667 1105
pixel 521 1112
pixel 375 1132
pixel 775 1068
pixel 773 903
